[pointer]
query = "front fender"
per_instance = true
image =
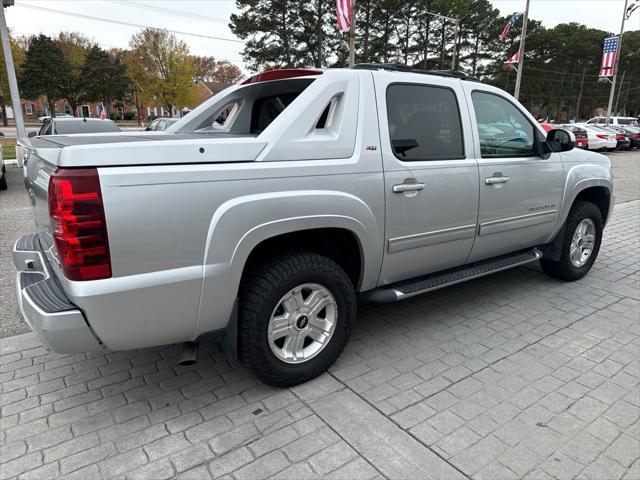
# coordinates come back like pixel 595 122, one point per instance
pixel 579 178
pixel 242 223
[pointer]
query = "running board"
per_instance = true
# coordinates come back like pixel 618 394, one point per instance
pixel 434 281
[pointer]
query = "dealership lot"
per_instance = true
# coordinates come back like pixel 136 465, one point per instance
pixel 511 376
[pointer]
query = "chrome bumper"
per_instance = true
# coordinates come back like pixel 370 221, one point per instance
pixel 44 306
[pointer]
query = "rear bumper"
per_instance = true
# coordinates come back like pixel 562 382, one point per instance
pixel 44 306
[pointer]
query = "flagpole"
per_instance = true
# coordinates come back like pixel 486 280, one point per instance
pixel 615 67
pixel 352 34
pixel 521 51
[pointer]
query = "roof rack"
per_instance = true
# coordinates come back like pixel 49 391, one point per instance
pixel 397 67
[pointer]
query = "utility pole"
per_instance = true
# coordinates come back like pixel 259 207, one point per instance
pixel 11 73
pixel 352 34
pixel 523 39
pixel 615 68
pixel 615 110
pixel 584 69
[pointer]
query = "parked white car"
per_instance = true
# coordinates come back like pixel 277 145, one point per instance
pixel 598 140
pixel 628 121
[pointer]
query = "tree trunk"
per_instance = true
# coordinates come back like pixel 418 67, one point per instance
pixel 425 47
pixel 444 25
pixel 319 33
pixel 52 105
pixel 3 106
pixel 365 40
pixel 74 106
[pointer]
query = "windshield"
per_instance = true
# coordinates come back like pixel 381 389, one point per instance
pixel 628 121
pixel 81 126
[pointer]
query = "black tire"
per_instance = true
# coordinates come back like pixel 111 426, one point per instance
pixel 260 292
pixel 3 181
pixel 564 269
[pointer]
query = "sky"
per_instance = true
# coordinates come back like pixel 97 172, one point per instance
pixel 203 19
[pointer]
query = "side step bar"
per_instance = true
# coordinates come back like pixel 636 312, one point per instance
pixel 434 281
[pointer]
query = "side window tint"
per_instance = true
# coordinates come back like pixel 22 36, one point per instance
pixel 424 123
pixel 503 130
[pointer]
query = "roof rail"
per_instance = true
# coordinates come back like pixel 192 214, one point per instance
pixel 397 67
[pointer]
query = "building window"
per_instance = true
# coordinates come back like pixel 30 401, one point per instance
pixel 28 109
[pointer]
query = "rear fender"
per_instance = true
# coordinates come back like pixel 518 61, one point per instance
pixel 242 223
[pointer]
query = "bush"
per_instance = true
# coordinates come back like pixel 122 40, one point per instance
pixel 129 115
pixel 113 116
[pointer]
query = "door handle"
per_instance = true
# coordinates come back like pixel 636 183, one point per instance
pixel 495 180
pixel 407 187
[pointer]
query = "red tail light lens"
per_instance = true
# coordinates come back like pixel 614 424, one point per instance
pixel 78 224
pixel 602 135
pixel 619 136
pixel 636 135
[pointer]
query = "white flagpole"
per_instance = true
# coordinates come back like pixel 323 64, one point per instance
pixel 617 62
pixel 523 38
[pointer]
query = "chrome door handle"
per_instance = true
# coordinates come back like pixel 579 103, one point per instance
pixel 495 180
pixel 407 187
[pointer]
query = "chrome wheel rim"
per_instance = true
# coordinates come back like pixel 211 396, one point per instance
pixel 302 323
pixel 582 243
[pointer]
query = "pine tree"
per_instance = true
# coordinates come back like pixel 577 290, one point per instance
pixel 45 70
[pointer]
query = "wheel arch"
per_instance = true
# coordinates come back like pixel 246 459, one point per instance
pixel 244 228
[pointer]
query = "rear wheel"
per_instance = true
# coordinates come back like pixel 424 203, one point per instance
pixel 296 315
pixel 580 244
pixel 3 180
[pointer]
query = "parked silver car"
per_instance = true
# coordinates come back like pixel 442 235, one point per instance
pixel 268 213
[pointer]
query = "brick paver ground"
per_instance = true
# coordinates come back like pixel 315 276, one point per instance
pixel 511 376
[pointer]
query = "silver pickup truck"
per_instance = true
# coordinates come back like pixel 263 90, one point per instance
pixel 265 216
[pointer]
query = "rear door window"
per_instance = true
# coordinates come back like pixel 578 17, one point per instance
pixel 424 123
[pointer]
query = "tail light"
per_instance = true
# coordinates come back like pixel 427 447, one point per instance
pixel 619 136
pixel 602 135
pixel 78 223
pixel 636 135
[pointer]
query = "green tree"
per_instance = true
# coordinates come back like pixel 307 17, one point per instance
pixel 271 29
pixel 162 67
pixel 45 70
pixel 104 76
pixel 75 48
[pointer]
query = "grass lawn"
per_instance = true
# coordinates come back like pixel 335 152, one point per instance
pixel 8 148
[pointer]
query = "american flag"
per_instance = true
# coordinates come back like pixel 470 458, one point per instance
pixel 343 11
pixel 609 56
pixel 514 18
pixel 515 58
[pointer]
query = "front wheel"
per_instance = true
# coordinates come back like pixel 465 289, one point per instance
pixel 296 315
pixel 580 245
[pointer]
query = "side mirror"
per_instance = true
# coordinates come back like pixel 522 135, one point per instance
pixel 560 140
pixel 32 134
pixel 1 135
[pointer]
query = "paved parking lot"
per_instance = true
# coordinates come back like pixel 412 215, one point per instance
pixel 510 376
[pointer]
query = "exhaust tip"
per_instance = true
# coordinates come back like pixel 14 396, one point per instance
pixel 189 354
